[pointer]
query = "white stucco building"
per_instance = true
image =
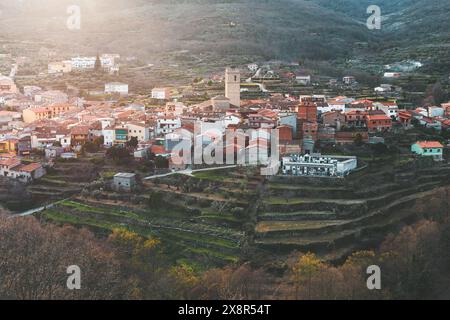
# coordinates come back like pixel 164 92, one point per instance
pixel 167 124
pixel 116 87
pixel 316 165
pixel 109 136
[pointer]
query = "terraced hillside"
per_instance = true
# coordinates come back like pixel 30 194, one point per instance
pixel 216 218
pixel 201 219
pixel 335 217
pixel 65 179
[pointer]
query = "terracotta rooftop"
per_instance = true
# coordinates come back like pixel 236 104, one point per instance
pixel 10 162
pixel 429 144
pixel 80 130
pixel 378 117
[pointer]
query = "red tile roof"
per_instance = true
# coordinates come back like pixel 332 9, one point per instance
pixel 356 112
pixel 389 104
pixel 9 162
pixel 155 149
pixel 29 167
pixel 80 130
pixel 429 144
pixel 378 117
pixel 365 101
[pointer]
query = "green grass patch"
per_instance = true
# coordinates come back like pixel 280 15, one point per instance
pixel 281 201
pixel 217 217
pixel 97 210
pixel 214 254
pixel 269 226
pixel 108 174
pixel 60 217
pixel 216 175
pixel 80 206
pixel 53 181
pixel 281 186
pixel 201 238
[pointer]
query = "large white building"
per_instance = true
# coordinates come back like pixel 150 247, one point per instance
pixel 316 165
pixel 81 63
pixel 116 87
pixel 108 62
pixel 233 86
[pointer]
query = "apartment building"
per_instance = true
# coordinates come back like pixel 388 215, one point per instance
pixel 33 114
pixel 167 124
pixel 141 131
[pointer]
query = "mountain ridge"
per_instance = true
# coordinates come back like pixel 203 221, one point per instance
pixel 281 29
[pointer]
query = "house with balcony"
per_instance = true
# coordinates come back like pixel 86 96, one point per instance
pixel 378 123
pixel 121 136
pixel 167 124
pixel 79 135
pixel 356 119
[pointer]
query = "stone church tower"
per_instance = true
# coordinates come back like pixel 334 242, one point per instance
pixel 233 86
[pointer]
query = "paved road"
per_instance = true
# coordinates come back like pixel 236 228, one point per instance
pixel 33 211
pixel 40 209
pixel 185 172
pixel 188 172
pixel 261 86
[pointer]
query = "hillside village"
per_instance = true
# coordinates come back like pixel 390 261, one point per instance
pixel 59 124
pixel 110 158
